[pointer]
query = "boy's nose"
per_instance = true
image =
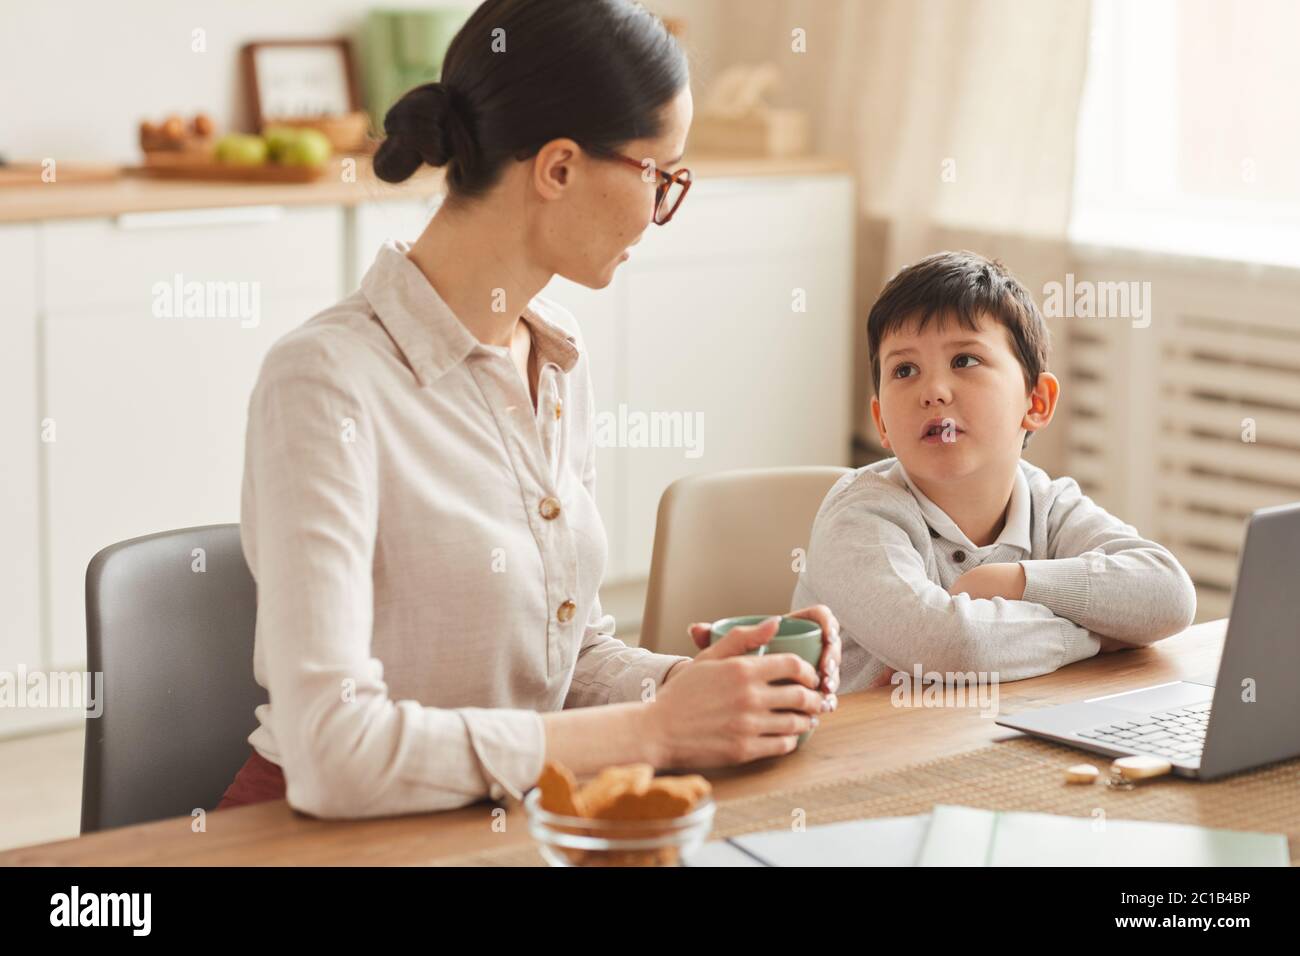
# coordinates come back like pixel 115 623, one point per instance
pixel 936 394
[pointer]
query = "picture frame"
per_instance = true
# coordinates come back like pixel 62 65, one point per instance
pixel 299 79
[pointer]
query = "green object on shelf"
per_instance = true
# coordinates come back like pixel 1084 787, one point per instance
pixel 403 49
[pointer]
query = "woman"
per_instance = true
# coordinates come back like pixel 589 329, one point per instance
pixel 418 501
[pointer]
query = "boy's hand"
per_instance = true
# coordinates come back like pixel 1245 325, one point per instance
pixel 1004 580
pixel 1109 644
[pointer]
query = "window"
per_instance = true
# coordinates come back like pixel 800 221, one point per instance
pixel 1188 136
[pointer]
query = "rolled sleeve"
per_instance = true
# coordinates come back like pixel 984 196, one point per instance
pixel 510 746
pixel 608 671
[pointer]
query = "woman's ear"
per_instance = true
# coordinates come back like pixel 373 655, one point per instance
pixel 879 420
pixel 1042 402
pixel 554 166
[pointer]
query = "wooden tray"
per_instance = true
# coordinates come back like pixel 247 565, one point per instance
pixel 211 170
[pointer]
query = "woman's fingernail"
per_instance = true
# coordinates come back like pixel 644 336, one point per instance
pixel 815 721
pixel 826 705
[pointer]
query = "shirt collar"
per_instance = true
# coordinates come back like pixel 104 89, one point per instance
pixel 428 333
pixel 1014 533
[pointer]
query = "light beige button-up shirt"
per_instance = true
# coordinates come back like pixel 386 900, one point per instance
pixel 427 552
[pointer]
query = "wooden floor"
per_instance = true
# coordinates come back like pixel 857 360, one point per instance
pixel 40 787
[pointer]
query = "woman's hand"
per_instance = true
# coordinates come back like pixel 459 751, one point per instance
pixel 723 708
pixel 829 667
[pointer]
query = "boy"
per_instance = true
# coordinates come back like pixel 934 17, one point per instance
pixel 956 555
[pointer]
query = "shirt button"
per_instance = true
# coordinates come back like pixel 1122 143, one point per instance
pixel 959 556
pixel 565 614
pixel 549 508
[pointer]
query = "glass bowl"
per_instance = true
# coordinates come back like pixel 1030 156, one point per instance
pixel 584 841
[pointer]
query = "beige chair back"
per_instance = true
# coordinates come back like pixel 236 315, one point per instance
pixel 725 545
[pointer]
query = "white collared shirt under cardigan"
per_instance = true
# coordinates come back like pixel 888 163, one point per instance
pixel 427 552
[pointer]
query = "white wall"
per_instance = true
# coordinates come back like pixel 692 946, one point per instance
pixel 77 76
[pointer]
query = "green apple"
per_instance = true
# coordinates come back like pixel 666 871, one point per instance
pixel 241 149
pixel 277 140
pixel 310 147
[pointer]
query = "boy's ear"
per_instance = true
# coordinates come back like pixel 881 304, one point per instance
pixel 1042 402
pixel 880 421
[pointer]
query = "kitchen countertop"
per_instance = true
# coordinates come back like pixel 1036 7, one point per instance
pixel 131 193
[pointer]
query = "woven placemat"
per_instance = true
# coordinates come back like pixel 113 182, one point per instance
pixel 1018 774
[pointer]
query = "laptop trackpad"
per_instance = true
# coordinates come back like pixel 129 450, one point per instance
pixel 1153 699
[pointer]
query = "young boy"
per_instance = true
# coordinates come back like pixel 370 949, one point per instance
pixel 956 555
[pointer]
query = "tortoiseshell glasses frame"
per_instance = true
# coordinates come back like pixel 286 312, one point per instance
pixel 669 191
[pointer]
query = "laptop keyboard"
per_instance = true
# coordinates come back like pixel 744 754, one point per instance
pixel 1174 734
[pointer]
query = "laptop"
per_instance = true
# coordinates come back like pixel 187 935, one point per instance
pixel 1248 715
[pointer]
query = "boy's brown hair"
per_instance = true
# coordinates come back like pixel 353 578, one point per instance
pixel 961 285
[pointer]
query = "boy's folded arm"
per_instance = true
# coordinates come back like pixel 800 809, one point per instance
pixel 1103 576
pixel 866 568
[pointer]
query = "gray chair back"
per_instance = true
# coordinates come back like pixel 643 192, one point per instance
pixel 169 624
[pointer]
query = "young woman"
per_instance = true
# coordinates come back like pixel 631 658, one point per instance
pixel 418 501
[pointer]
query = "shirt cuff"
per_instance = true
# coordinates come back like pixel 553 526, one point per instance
pixel 510 746
pixel 1060 584
pixel 631 684
pixel 1080 643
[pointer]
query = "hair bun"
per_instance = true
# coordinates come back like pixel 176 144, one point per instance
pixel 429 124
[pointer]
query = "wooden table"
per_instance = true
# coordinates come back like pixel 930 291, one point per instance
pixel 865 734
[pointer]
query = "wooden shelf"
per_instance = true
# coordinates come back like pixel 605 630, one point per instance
pixel 126 194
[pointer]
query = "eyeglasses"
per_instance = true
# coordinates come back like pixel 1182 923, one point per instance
pixel 669 191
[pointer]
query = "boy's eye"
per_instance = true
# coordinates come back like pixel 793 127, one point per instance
pixel 899 370
pixel 959 358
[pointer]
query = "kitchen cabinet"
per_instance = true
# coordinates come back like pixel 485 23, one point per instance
pixel 147 393
pixel 725 339
pixel 736 317
pixel 374 223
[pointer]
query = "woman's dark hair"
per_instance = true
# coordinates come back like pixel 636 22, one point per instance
pixel 523 72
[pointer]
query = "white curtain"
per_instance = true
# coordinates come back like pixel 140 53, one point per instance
pixel 958 117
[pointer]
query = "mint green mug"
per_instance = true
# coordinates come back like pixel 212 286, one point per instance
pixel 794 635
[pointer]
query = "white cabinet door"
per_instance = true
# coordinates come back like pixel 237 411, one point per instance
pixel 149 410
pixel 725 341
pixel 727 373
pixel 754 217
pixel 91 264
pixel 20 596
pixel 375 223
